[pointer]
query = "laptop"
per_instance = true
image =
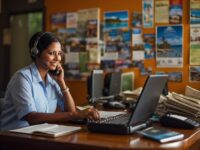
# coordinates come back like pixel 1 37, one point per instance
pixel 140 115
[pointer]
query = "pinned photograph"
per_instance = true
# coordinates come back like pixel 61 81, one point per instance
pixel 194 73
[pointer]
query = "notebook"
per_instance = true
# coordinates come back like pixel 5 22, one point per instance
pixel 139 117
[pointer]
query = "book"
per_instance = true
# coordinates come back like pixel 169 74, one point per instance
pixel 161 134
pixel 48 130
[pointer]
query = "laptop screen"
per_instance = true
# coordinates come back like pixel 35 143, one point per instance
pixel 148 99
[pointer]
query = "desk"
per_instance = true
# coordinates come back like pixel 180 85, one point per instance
pixel 89 141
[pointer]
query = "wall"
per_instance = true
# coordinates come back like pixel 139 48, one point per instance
pixel 10 7
pixel 53 6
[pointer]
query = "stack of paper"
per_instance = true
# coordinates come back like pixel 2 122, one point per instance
pixel 186 105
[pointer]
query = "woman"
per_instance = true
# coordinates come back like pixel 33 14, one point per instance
pixel 33 94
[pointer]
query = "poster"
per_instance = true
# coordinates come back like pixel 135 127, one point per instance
pixel 160 7
pixel 195 45
pixel 147 11
pixel 169 45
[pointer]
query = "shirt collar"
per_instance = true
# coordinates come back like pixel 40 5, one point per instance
pixel 37 76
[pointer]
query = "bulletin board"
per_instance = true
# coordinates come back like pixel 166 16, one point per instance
pixel 53 7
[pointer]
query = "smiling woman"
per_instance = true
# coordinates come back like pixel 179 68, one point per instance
pixel 34 96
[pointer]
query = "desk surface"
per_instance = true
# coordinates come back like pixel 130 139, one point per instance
pixel 88 140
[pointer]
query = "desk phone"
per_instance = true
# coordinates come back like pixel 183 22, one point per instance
pixel 177 121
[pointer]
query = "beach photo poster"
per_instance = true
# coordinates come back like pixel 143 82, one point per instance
pixel 169 45
pixel 116 20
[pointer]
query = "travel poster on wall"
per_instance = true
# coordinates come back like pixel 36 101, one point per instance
pixel 175 76
pixel 149 46
pixel 194 12
pixel 194 73
pixel 137 19
pixel 195 45
pixel 147 12
pixel 169 45
pixel 160 7
pixel 175 12
pixel 137 39
pixel 118 40
pixel 58 21
pixel 72 20
pixel 89 27
pixel 116 20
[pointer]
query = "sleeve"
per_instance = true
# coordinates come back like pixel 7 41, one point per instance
pixel 21 91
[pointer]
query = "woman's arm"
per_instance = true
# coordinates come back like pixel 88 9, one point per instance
pixel 69 104
pixel 61 117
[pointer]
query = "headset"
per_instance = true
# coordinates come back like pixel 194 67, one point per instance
pixel 34 49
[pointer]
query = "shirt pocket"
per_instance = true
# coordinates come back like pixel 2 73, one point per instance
pixel 52 103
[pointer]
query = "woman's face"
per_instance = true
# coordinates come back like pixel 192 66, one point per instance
pixel 51 57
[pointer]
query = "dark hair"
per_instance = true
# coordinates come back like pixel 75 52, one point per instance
pixel 43 39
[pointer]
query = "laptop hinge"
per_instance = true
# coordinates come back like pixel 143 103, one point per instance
pixel 141 126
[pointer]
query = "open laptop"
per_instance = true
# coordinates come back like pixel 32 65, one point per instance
pixel 139 118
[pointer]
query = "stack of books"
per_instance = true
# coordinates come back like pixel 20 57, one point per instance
pixel 186 105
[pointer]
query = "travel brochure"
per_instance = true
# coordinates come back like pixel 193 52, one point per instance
pixel 194 45
pixel 194 12
pixel 160 7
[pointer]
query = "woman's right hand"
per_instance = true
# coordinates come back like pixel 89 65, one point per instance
pixel 90 113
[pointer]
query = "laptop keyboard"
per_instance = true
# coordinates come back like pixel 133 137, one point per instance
pixel 120 119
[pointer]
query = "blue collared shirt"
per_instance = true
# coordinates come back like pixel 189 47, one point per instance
pixel 27 92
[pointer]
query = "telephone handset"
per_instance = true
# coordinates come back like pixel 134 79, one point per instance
pixel 55 72
pixel 177 121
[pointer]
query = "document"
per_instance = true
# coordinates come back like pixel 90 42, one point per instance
pixel 191 92
pixel 49 130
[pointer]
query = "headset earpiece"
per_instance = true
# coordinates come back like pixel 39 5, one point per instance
pixel 34 50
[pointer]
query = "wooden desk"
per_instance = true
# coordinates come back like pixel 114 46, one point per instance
pixel 97 141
